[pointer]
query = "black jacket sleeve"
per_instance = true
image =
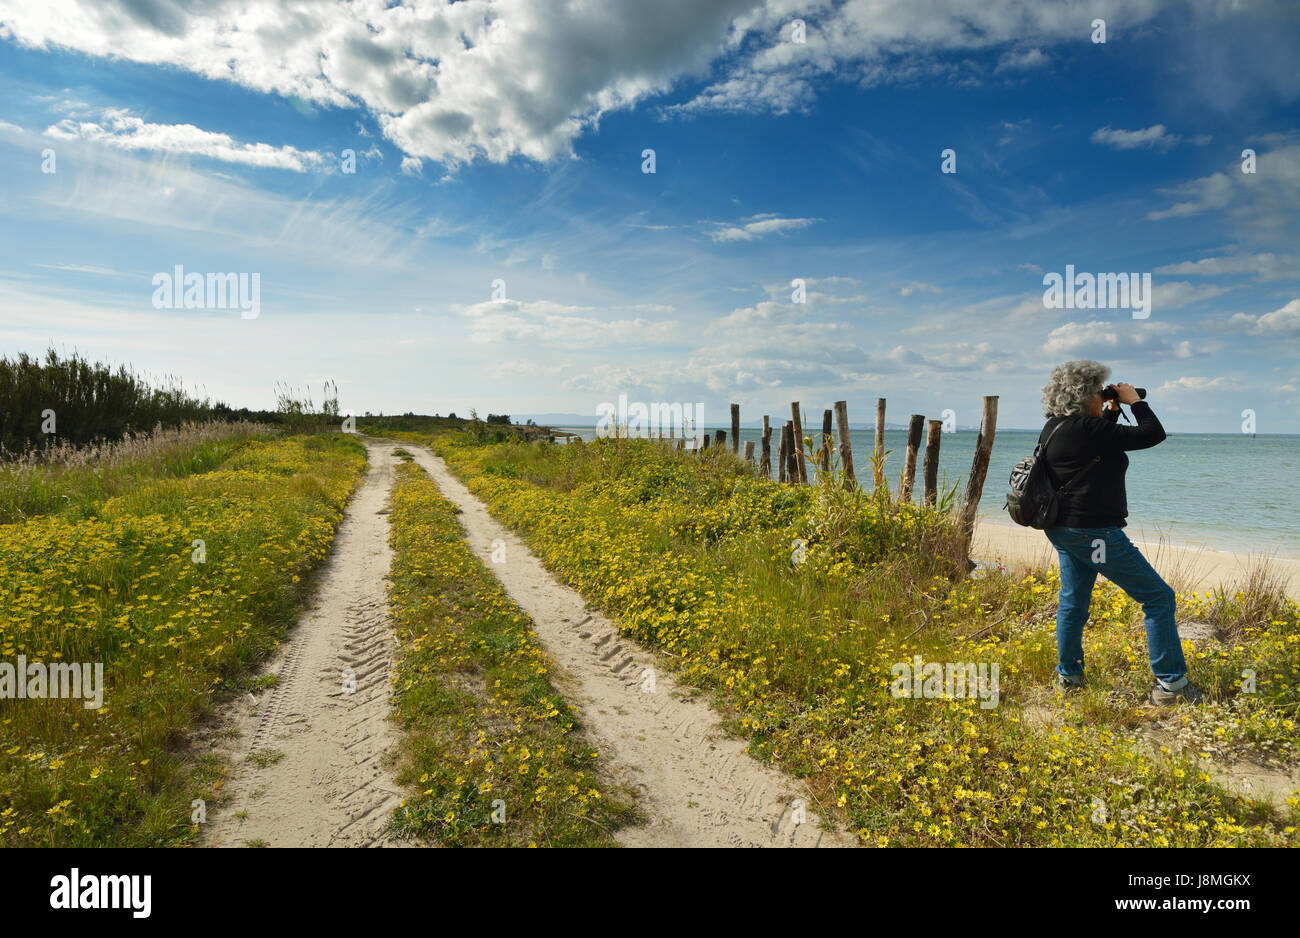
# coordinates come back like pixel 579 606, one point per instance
pixel 1110 436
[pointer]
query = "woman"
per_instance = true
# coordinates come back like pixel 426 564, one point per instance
pixel 1088 455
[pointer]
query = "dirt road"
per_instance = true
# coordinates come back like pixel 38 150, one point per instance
pixel 309 755
pixel 699 787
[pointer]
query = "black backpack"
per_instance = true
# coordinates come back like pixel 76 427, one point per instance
pixel 1032 499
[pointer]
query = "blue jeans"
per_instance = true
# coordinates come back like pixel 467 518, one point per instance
pixel 1084 553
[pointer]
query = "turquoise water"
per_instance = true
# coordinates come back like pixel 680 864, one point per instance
pixel 1227 491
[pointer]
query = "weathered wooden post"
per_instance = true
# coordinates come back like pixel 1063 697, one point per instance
pixel 791 454
pixel 979 466
pixel 933 436
pixel 749 453
pixel 720 437
pixel 846 446
pixel 706 439
pixel 681 445
pixel 781 455
pixel 827 441
pixel 798 442
pixel 735 428
pixel 909 461
pixel 878 467
pixel 765 463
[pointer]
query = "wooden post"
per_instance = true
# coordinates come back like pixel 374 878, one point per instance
pixel 681 445
pixel 879 449
pixel 846 447
pixel 791 457
pixel 765 464
pixel 735 428
pixel 798 442
pixel 781 455
pixel 932 461
pixel 909 462
pixel 979 466
pixel 706 440
pixel 827 441
pixel 720 437
pixel 749 453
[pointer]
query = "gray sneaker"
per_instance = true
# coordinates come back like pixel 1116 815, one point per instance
pixel 1188 693
pixel 1069 686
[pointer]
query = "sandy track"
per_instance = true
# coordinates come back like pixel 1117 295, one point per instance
pixel 329 786
pixel 699 787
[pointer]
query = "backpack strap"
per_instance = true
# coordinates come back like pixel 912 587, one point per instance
pixel 1045 442
pixel 1064 489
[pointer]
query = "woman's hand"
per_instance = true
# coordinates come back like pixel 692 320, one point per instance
pixel 1126 393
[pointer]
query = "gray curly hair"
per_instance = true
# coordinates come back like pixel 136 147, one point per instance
pixel 1071 386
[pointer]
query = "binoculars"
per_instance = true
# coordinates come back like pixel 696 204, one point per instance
pixel 1109 393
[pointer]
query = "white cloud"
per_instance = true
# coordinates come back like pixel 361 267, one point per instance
pixel 875 42
pixel 1155 136
pixel 450 82
pixel 1265 266
pixel 171 197
pixel 549 323
pixel 1283 321
pixel 757 227
pixel 1265 200
pixel 1197 385
pixel 495 79
pixel 1175 293
pixel 84 269
pixel 1017 61
pixel 916 286
pixel 120 129
pixel 506 369
pixel 1101 339
pixel 1208 193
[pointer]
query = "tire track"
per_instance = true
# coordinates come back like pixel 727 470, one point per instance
pixel 699 786
pixel 309 753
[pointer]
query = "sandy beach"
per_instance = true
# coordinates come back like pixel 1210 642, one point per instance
pixel 1190 567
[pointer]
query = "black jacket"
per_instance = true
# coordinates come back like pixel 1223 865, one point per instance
pixel 1098 500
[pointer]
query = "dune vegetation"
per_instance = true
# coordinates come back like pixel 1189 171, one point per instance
pixel 792 605
pixel 494 754
pixel 178 567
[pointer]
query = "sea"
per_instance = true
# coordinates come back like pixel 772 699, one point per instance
pixel 1225 491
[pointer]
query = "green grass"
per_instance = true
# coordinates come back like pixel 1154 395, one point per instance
pixel 76 481
pixel 693 556
pixel 495 755
pixel 179 587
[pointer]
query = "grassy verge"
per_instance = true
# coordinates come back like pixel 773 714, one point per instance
pixel 496 755
pixel 695 557
pixel 69 479
pixel 177 586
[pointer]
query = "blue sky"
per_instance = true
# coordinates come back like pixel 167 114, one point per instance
pixel 504 140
